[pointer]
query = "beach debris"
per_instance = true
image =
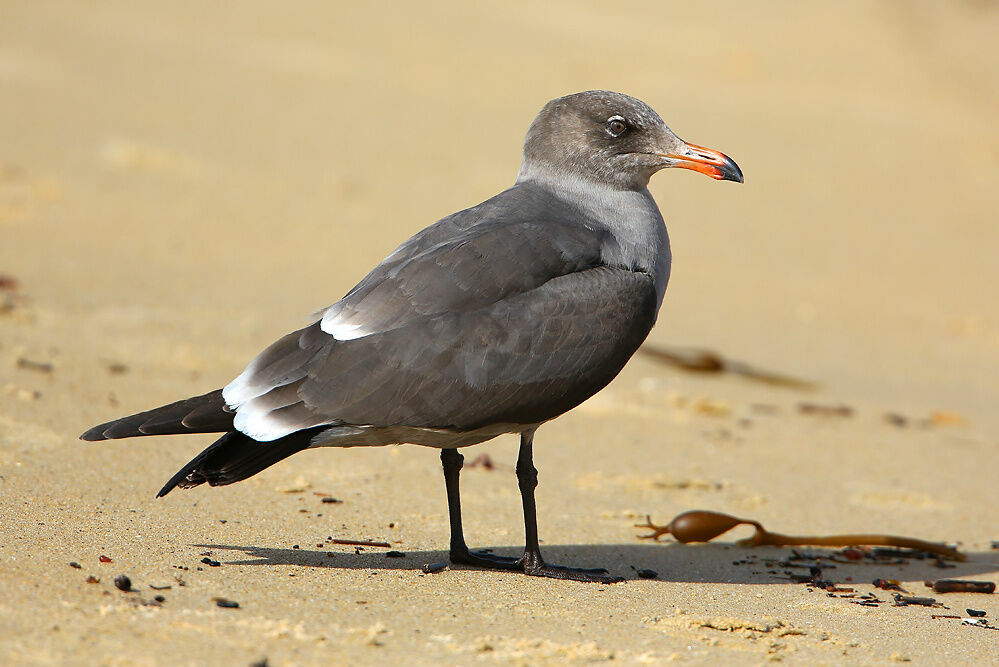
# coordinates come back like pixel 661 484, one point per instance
pixel 888 584
pixel 117 368
pixel 979 623
pixel 434 568
pixel 10 299
pixel 836 588
pixel 977 613
pixel 330 500
pixel 75 565
pixel 225 603
pixel 123 583
pixel 482 461
pixel 946 418
pixel 825 410
pixel 704 526
pixel 646 573
pixel 209 562
pixel 895 419
pixel 394 554
pixel 104 559
pixel 160 587
pixel 697 360
pixel 906 600
pixel 963 586
pixel 31 365
pixel 711 407
pixel 360 543
pixel 935 418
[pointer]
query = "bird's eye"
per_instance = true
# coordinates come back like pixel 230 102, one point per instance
pixel 616 126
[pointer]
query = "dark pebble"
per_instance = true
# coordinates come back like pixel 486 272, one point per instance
pixel 434 568
pixel 123 583
pixel 226 604
pixel 160 598
pixel 648 574
pixel 394 554
pixel 76 565
pixel 977 613
pixel 330 500
pixel 209 562
pixel 294 546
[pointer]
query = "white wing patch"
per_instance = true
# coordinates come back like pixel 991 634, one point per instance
pixel 252 418
pixel 239 391
pixel 335 324
pixel 259 425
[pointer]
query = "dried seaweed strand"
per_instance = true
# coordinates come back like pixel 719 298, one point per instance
pixel 704 526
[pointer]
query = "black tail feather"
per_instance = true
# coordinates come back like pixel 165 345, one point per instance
pixel 236 456
pixel 201 414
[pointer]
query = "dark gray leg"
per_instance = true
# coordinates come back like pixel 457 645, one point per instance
pixel 451 460
pixel 531 562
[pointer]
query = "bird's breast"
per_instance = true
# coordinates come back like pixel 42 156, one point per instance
pixel 638 238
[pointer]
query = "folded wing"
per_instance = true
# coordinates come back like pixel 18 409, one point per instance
pixel 490 316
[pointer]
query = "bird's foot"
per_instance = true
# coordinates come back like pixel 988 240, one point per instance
pixel 595 575
pixel 485 560
pixel 531 565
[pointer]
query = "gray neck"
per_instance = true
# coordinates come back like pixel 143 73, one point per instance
pixel 638 233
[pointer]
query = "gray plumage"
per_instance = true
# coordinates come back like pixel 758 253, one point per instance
pixel 493 320
pixel 529 320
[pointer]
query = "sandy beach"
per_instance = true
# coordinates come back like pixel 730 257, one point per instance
pixel 182 183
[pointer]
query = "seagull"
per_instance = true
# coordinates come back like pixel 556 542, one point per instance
pixel 495 319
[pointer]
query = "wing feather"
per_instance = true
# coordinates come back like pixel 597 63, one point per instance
pixel 503 313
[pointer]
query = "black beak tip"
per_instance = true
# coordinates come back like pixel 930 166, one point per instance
pixel 730 171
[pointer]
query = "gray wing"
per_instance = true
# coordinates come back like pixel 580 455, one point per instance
pixel 512 319
pixel 524 360
pixel 509 244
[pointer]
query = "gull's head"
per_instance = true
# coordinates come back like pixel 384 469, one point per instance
pixel 613 139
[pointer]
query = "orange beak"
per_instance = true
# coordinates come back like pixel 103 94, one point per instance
pixel 714 164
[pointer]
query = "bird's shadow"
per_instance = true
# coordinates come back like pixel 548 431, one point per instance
pixel 672 562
